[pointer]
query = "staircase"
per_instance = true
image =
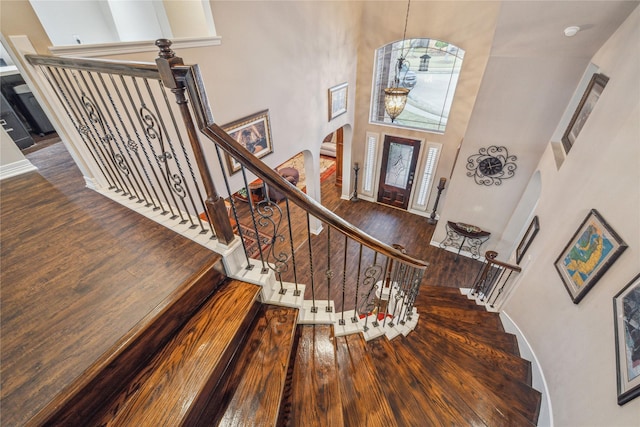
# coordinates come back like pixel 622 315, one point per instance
pixel 238 362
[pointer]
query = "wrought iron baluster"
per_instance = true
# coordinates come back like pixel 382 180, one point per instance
pixel 147 167
pixel 125 139
pixel 504 283
pixel 113 143
pixel 314 308
pixel 156 131
pixel 187 158
pixel 329 273
pixel 85 132
pixel 63 99
pixel 354 319
pixel 296 292
pixel 148 124
pixel 96 120
pixel 264 270
pixel 344 279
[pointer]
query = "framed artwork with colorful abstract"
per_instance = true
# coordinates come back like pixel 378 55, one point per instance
pixel 593 248
pixel 626 317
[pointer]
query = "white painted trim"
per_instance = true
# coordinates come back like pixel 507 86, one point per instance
pixel 545 419
pixel 16 168
pixel 119 48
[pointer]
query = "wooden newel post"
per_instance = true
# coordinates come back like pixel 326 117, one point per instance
pixel 216 209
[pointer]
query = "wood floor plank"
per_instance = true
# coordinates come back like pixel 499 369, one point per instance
pixel 315 393
pixel 182 374
pixel 78 273
pixel 252 392
pixel 364 401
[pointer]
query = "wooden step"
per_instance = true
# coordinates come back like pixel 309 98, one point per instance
pixel 472 317
pixel 492 409
pixel 481 334
pixel 417 395
pixel 364 401
pixel 454 301
pixel 491 357
pixel 251 391
pixel 315 396
pixel 119 365
pixel 176 385
pixel 503 384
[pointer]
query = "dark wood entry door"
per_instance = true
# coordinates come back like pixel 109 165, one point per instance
pixel 399 160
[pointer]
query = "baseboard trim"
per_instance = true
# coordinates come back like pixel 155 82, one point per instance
pixel 16 168
pixel 545 419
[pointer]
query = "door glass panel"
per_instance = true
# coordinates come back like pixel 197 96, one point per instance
pixel 398 165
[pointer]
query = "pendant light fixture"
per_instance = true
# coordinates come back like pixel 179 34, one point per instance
pixel 395 97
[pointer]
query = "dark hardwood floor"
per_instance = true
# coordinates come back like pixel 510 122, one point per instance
pixel 387 224
pixel 79 272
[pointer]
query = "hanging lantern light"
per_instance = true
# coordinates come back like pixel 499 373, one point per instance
pixel 395 97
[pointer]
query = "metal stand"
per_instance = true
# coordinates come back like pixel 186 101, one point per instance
pixel 432 218
pixel 356 168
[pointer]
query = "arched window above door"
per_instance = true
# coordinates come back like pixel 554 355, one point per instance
pixel 431 72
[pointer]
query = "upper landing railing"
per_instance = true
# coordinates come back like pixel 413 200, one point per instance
pixel 147 152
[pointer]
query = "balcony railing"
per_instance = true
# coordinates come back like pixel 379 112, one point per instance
pixel 160 158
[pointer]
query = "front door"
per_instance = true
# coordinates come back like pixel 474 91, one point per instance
pixel 399 160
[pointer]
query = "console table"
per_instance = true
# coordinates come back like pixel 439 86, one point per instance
pixel 459 234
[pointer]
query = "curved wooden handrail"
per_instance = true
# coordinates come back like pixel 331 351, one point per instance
pixel 490 256
pixel 272 178
pixel 171 71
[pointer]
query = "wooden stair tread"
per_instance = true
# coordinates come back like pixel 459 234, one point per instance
pixel 482 319
pixel 251 392
pixel 86 396
pixel 454 301
pixel 179 379
pixel 364 400
pixel 523 397
pixel 416 397
pixel 315 369
pixel 500 340
pixel 494 411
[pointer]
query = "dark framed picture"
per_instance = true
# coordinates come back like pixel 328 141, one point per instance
pixel 591 251
pixel 626 317
pixel 254 133
pixel 338 100
pixel 532 230
pixel 580 116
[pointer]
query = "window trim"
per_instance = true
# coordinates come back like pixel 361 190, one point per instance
pixel 376 72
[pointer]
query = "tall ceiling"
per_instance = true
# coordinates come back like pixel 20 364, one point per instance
pixel 535 28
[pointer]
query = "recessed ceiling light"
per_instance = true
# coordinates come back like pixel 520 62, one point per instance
pixel 571 31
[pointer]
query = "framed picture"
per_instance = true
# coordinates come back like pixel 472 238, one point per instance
pixel 626 317
pixel 591 251
pixel 253 133
pixel 337 100
pixel 533 229
pixel 580 116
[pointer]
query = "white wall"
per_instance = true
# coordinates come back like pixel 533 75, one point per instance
pixel 62 19
pixel 136 20
pixel 575 343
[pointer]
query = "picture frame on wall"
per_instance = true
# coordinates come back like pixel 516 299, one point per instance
pixel 626 317
pixel 338 100
pixel 580 116
pixel 592 249
pixel 253 133
pixel 528 237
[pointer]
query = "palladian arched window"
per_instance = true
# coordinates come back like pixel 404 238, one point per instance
pixel 431 70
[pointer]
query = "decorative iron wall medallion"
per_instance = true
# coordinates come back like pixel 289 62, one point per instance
pixel 491 165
